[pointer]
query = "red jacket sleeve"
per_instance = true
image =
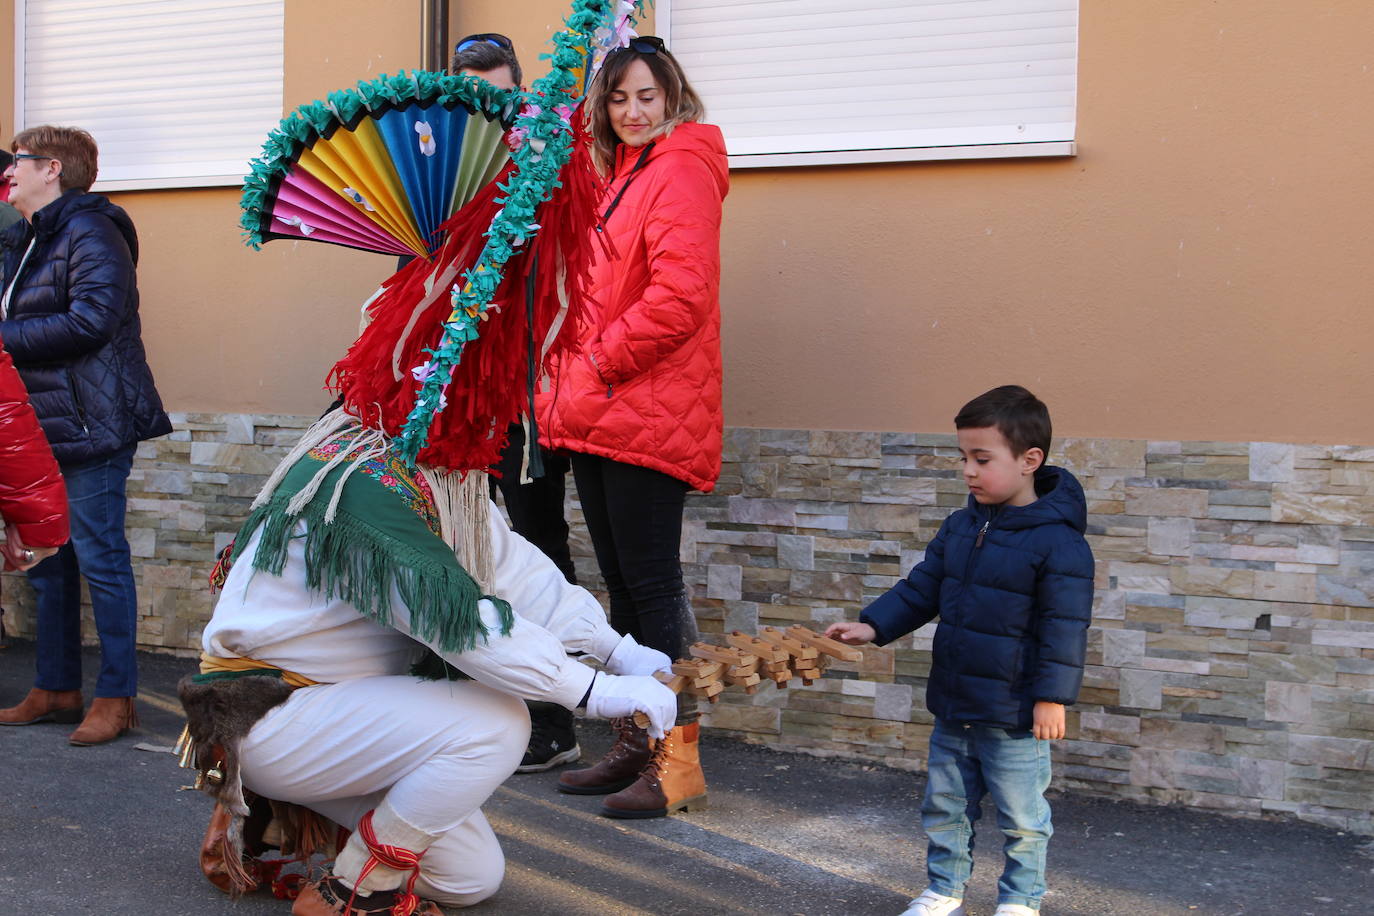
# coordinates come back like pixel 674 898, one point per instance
pixel 32 495
pixel 682 236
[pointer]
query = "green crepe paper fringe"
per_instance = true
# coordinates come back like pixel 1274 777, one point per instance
pixel 350 560
pixel 340 109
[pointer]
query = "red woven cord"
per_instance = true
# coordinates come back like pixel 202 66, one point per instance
pixel 395 857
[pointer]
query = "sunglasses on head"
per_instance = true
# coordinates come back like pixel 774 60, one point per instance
pixel 643 44
pixel 489 38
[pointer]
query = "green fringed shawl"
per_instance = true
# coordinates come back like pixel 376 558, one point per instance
pixel 379 538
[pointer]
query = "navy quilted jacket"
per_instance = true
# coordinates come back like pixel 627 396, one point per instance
pixel 73 327
pixel 1013 588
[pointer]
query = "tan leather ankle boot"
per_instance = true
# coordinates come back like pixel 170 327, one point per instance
pixel 672 779
pixel 44 706
pixel 619 768
pixel 109 718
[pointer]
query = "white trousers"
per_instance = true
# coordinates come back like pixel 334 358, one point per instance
pixel 425 754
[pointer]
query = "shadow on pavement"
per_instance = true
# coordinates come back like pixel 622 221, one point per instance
pixel 106 830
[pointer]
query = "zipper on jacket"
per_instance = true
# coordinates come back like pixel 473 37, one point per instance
pixel 76 402
pixel 978 542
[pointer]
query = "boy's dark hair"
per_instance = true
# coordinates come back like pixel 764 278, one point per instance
pixel 1021 417
pixel 487 55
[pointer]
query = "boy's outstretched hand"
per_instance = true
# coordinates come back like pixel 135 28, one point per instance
pixel 851 632
pixel 1049 721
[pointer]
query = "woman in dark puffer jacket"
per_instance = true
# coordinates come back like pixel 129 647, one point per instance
pixel 69 318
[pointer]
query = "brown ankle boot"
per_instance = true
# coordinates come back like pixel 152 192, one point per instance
pixel 109 718
pixel 619 768
pixel 44 706
pixel 672 780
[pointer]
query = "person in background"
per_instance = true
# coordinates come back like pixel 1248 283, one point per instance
pixel 33 501
pixel 69 318
pixel 639 408
pixel 1010 577
pixel 535 505
pixel 8 215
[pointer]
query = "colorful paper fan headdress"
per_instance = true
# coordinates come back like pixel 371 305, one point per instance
pixel 406 164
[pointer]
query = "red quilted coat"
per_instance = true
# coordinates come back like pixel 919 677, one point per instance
pixel 32 495
pixel 645 386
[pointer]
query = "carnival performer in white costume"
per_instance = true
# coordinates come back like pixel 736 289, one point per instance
pixel 404 762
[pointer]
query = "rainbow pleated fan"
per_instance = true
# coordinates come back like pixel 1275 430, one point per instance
pixel 379 167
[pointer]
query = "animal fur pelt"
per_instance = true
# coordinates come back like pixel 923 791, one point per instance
pixel 219 714
pixel 220 711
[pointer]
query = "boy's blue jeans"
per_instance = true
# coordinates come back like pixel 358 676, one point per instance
pixel 99 551
pixel 967 762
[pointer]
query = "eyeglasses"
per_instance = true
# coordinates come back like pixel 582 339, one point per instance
pixel 490 38
pixel 18 156
pixel 643 44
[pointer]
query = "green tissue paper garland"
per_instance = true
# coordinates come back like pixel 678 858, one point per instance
pixel 546 149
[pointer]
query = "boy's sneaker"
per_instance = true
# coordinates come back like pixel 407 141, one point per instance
pixel 552 739
pixel 933 904
pixel 1014 909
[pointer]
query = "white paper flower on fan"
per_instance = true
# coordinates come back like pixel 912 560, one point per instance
pixel 426 137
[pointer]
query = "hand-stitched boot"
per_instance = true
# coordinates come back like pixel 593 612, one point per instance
pixel 331 897
pixel 552 739
pixel 44 706
pixel 109 718
pixel 619 768
pixel 672 780
pixel 374 863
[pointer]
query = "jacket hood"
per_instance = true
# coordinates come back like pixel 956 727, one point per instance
pixel 703 141
pixel 1059 500
pixel 50 219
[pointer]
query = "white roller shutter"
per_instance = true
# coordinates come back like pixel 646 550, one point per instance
pixel 791 81
pixel 177 93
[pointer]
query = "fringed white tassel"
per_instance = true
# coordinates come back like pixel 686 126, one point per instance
pixel 321 431
pixel 464 508
pixel 437 284
pixel 371 444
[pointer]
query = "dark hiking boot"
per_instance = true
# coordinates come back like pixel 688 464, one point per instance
pixel 619 768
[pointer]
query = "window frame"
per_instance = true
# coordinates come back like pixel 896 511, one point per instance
pixel 881 154
pixel 207 180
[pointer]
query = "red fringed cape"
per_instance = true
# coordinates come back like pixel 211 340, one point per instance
pixel 490 386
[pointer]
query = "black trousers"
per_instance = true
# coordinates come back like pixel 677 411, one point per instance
pixel 634 517
pixel 536 508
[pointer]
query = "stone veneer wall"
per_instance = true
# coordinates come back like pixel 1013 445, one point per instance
pixel 1230 665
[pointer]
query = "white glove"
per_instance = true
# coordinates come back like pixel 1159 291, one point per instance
pixel 629 657
pixel 614 696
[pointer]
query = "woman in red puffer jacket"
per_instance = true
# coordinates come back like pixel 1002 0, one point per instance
pixel 33 500
pixel 639 407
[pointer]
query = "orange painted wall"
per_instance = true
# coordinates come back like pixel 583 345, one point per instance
pixel 1198 271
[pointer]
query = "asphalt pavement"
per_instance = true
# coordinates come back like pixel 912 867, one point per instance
pixel 110 830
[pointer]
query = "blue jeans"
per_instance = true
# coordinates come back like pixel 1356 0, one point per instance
pixel 99 551
pixel 966 763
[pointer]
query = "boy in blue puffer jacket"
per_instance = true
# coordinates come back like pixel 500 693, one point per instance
pixel 1011 578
